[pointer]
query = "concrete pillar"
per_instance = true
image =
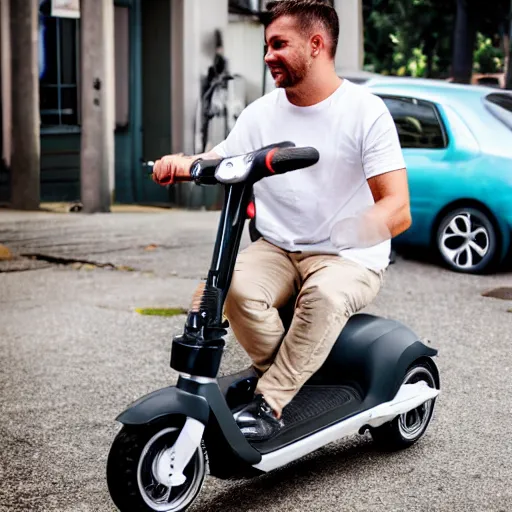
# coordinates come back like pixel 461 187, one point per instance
pixel 25 160
pixel 5 85
pixel 110 84
pixel 350 54
pixel 96 157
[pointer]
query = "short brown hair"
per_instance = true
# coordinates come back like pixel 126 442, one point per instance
pixel 307 13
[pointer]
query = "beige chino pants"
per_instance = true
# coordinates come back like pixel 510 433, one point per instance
pixel 328 290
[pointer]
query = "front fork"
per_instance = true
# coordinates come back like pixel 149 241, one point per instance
pixel 169 465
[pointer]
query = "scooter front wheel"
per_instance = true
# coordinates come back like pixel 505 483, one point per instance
pixel 133 477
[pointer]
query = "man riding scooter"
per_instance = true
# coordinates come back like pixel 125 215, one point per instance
pixel 326 229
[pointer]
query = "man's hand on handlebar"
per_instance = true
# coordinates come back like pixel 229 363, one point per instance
pixel 173 168
pixel 168 167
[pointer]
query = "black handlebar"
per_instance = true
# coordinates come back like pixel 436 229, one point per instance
pixel 284 160
pixel 268 161
pixel 202 172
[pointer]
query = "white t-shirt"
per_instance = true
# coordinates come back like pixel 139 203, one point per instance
pixel 356 138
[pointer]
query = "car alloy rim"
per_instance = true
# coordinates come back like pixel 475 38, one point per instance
pixel 156 495
pixel 464 241
pixel 413 423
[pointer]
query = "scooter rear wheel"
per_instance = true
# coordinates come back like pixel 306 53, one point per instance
pixel 409 427
pixel 131 475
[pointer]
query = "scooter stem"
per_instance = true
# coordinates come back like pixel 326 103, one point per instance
pixel 199 350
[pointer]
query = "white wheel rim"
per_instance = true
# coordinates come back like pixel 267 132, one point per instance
pixel 412 424
pixel 465 240
pixel 159 497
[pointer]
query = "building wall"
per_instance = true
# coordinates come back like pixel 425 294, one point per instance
pixel 5 63
pixel 110 83
pixel 350 52
pixel 244 46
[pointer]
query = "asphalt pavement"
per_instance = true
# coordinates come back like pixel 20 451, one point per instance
pixel 74 353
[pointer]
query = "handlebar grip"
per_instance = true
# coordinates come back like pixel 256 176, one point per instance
pixel 203 171
pixel 279 161
pixel 182 175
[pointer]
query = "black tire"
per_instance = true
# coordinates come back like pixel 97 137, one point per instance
pixel 126 471
pixel 408 428
pixel 467 240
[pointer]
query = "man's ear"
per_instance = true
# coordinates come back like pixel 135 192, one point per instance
pixel 317 43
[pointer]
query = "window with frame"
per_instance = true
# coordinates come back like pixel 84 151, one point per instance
pixel 418 123
pixel 58 69
pixel 500 106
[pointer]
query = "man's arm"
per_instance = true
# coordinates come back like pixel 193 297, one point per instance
pixel 211 155
pixel 387 218
pixel 384 167
pixel 392 206
pixel 168 166
pixel 236 143
pixel 386 176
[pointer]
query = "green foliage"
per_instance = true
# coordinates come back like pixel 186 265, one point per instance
pixel 417 65
pixel 487 57
pixel 414 37
pixel 408 38
pixel 161 311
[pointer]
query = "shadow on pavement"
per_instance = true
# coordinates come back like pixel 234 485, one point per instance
pixel 428 256
pixel 282 486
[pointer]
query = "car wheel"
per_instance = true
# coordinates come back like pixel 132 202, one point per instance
pixel 467 240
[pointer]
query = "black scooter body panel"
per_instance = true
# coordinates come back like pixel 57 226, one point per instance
pixel 371 357
pixel 165 402
pixel 372 354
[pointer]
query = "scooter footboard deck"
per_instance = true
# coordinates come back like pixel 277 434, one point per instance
pixel 313 408
pixel 313 401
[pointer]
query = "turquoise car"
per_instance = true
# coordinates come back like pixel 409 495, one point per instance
pixel 457 144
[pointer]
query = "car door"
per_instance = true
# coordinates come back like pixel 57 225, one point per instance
pixel 425 144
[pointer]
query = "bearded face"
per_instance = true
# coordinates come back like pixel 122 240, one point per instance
pixel 288 55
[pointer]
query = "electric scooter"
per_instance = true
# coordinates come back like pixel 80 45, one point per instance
pixel 379 377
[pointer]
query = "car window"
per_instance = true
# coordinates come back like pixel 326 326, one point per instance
pixel 500 106
pixel 417 122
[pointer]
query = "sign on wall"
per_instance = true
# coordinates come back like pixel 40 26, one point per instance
pixel 66 8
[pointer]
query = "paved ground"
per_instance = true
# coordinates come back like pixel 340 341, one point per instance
pixel 74 353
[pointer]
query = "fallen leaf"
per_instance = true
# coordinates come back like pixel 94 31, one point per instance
pixel 5 253
pixel 503 292
pixel 150 247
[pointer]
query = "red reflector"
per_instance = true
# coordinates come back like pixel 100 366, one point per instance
pixel 251 210
pixel 268 160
